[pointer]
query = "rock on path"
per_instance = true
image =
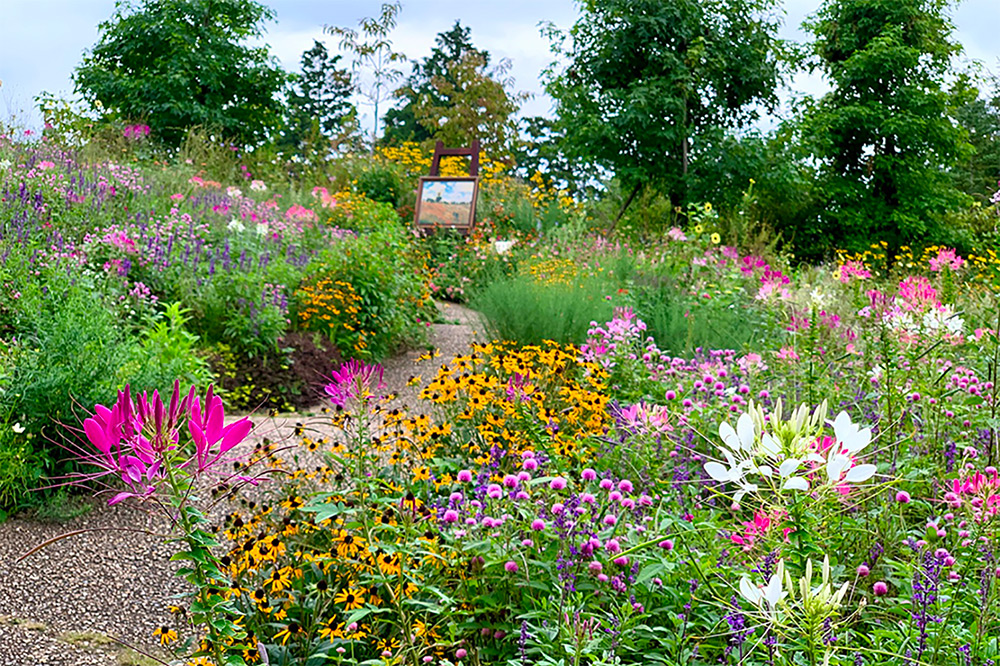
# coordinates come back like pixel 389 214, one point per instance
pixel 79 599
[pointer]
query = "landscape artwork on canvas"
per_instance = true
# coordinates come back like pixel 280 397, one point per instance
pixel 446 202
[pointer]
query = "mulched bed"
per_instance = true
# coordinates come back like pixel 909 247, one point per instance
pixel 285 382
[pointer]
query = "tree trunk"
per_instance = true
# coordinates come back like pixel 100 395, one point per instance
pixel 635 191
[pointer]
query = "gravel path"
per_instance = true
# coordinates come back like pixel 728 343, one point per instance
pixel 81 600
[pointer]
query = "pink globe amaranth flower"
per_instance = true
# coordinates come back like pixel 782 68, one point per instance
pixel 863 570
pixel 610 519
pixel 460 653
pixel 465 476
pixel 451 516
pixel 602 577
pixel 621 561
pixel 667 544
pixel 510 481
pixel 510 566
pixel 557 483
pixel 588 474
pixel 530 464
pixel 538 524
pixel 903 497
pixel 494 491
pixel 880 589
pixel 613 546
pixel 625 486
pixel 606 484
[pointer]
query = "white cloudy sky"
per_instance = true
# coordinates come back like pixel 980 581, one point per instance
pixel 41 41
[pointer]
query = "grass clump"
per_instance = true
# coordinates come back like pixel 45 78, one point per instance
pixel 526 310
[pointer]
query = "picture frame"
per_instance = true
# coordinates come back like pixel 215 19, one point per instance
pixel 446 203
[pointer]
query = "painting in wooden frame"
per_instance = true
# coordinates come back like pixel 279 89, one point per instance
pixel 447 203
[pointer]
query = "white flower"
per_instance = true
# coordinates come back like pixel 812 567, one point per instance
pixel 503 247
pixel 257 186
pixel 235 225
pixel 769 594
pixel 850 436
pixel 4 164
pixel 18 428
pixel 261 228
pixel 742 438
pixel 234 192
pixel 944 320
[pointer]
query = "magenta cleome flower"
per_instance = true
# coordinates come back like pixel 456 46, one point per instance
pixel 355 382
pixel 211 438
pixel 136 441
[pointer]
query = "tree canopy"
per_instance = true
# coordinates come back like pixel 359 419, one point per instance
pixel 401 122
pixel 178 64
pixel 883 135
pixel 649 81
pixel 319 102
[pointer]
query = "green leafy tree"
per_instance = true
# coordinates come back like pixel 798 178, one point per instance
pixel 319 105
pixel 178 64
pixel 401 123
pixel 883 136
pixel 979 115
pixel 649 82
pixel 540 151
pixel 472 102
pixel 375 64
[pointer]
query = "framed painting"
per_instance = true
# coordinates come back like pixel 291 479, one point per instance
pixel 446 203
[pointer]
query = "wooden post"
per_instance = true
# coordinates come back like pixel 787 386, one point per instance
pixel 440 151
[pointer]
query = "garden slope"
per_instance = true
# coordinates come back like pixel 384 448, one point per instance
pixel 65 605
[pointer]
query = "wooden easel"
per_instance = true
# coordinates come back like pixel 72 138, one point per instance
pixel 440 151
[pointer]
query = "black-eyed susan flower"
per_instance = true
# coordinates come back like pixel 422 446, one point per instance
pixel 350 598
pixel 291 630
pixel 165 634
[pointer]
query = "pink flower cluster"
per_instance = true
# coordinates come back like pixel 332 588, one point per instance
pixel 621 340
pixel 136 441
pixel 136 131
pixel 977 491
pixel 946 259
pixel 299 213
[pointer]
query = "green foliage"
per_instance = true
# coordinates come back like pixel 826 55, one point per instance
pixel 401 123
pixel 650 85
pixel 525 310
pixel 473 102
pixel 883 135
pixel 979 116
pixel 385 298
pixel 171 350
pixel 178 64
pixel 380 183
pixel 73 353
pixel 319 104
pixel 374 66
pixel 21 467
pixel 680 324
